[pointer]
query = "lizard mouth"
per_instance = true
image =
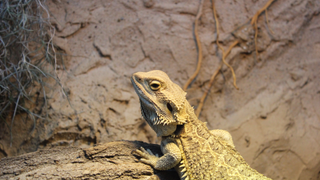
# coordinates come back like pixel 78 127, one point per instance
pixel 145 100
pixel 141 92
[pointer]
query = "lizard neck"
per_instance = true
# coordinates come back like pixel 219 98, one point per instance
pixel 192 123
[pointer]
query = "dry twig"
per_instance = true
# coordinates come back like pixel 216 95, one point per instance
pixel 198 44
pixel 224 55
pixel 200 105
pixel 254 23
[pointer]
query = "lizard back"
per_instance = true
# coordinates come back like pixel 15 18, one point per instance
pixel 206 156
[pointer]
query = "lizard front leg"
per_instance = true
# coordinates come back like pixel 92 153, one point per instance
pixel 171 155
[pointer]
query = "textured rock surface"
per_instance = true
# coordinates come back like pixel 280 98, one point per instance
pixel 273 118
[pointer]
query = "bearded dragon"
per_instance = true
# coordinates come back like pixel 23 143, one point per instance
pixel 187 144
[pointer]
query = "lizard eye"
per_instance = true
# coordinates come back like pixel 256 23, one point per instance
pixel 155 85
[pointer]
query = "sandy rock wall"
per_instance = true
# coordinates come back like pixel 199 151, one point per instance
pixel 274 118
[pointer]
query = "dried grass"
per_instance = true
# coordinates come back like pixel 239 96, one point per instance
pixel 27 57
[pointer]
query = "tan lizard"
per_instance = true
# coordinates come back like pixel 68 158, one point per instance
pixel 187 144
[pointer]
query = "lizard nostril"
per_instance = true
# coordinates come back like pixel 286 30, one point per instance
pixel 138 78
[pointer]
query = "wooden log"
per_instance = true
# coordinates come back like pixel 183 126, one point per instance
pixel 113 160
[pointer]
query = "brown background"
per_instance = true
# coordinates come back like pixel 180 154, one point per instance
pixel 274 118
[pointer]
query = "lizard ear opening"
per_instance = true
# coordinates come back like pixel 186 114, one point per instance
pixel 169 107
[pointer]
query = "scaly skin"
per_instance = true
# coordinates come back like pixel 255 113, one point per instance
pixel 187 144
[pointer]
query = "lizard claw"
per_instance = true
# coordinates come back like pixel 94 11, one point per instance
pixel 147 156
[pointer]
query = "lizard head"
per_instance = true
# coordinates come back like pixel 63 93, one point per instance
pixel 163 103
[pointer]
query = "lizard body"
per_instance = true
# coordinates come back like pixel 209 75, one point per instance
pixel 187 144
